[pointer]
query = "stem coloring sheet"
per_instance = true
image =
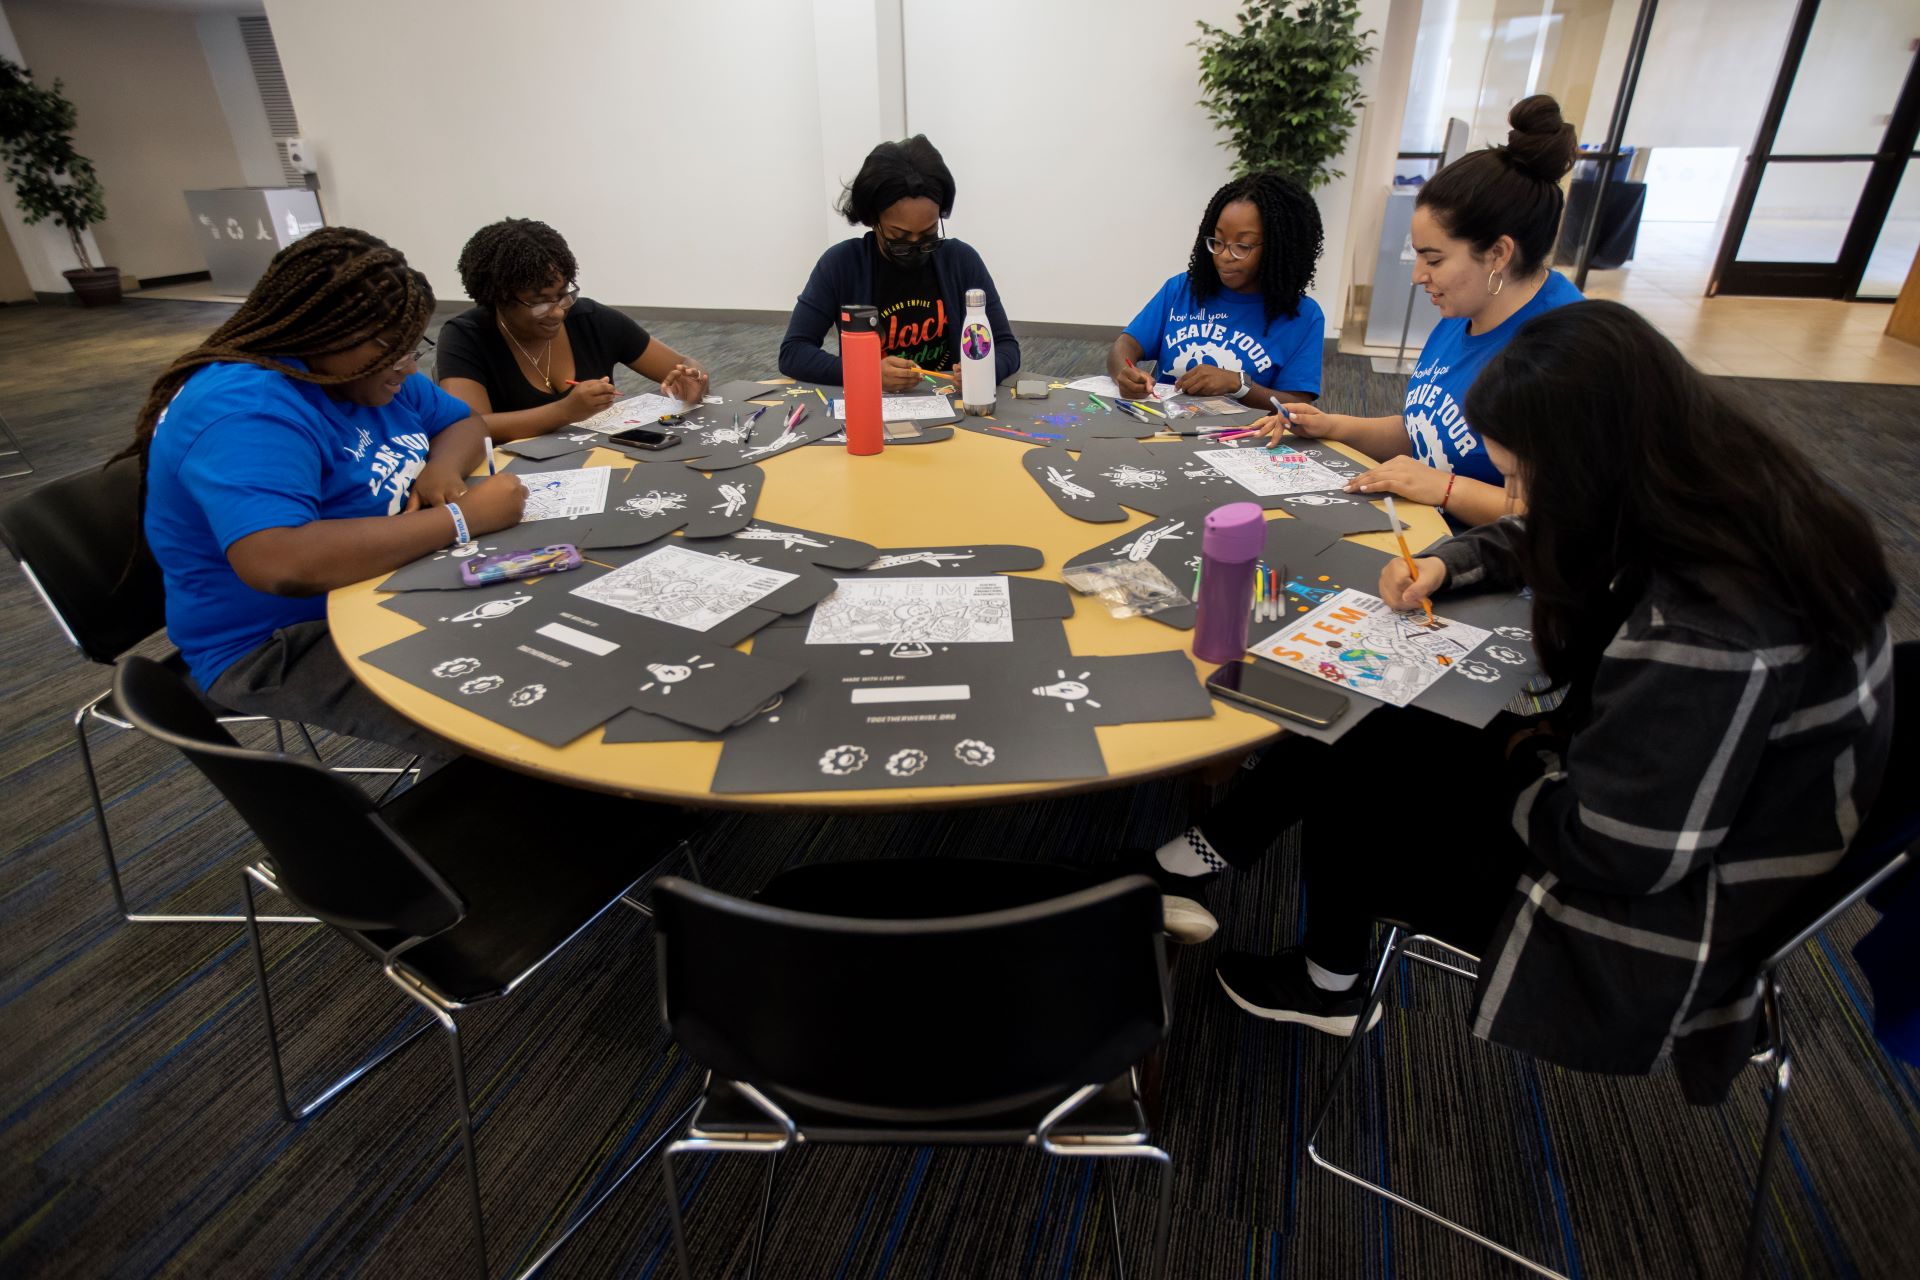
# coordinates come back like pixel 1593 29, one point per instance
pixel 635 411
pixel 1268 475
pixel 896 610
pixel 905 408
pixel 1356 641
pixel 560 495
pixel 686 588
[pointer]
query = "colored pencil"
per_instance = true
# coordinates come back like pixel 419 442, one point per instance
pixel 930 373
pixel 1151 389
pixel 1413 570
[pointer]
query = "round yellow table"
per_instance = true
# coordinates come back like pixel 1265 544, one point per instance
pixel 968 489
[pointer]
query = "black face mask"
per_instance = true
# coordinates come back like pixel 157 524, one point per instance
pixel 908 254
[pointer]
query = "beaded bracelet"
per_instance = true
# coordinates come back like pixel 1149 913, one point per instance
pixel 459 524
pixel 1445 496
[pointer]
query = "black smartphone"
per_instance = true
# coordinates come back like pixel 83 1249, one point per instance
pixel 645 438
pixel 1281 692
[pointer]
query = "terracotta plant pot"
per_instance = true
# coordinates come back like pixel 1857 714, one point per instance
pixel 95 286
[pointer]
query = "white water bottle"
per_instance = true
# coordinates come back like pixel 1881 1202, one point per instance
pixel 976 356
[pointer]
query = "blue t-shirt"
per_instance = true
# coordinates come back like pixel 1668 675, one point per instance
pixel 241 449
pixel 1451 360
pixel 1230 330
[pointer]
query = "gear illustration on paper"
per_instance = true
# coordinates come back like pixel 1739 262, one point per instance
pixel 907 762
pixel 453 667
pixel 1477 671
pixel 972 751
pixel 1513 633
pixel 526 695
pixel 843 760
pixel 482 684
pixel 1500 653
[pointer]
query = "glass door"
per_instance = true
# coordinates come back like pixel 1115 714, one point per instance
pixel 1821 197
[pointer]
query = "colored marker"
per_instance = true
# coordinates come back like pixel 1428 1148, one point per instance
pixel 1096 400
pixel 799 412
pixel 755 416
pixel 486 445
pixel 1235 435
pixel 821 394
pixel 1413 570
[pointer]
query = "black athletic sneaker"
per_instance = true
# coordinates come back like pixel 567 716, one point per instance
pixel 1183 899
pixel 1278 987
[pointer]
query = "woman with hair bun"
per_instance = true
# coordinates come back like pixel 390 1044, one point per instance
pixel 1482 232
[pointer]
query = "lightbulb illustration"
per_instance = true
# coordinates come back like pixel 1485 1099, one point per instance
pixel 1069 690
pixel 668 674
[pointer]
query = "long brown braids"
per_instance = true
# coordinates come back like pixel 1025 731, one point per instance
pixel 325 292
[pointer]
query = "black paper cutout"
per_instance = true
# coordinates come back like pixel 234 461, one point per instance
pixel 1136 688
pixel 771 437
pixel 648 503
pixel 441 570
pixel 564 462
pixel 555 444
pixel 1075 489
pixel 961 561
pixel 928 435
pixel 1074 416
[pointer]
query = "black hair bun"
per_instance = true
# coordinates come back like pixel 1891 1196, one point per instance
pixel 1541 144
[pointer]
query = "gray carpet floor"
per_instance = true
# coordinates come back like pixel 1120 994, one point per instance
pixel 138 1135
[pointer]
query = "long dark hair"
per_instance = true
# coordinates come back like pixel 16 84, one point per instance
pixel 1512 190
pixel 326 292
pixel 1633 462
pixel 1290 237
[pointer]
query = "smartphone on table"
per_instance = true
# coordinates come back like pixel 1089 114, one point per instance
pixel 1281 692
pixel 511 565
pixel 645 438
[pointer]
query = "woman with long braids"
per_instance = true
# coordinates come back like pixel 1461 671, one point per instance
pixel 298 449
pixel 532 355
pixel 1482 231
pixel 1238 322
pixel 1717 614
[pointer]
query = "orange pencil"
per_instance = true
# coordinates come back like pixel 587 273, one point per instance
pixel 929 373
pixel 1412 570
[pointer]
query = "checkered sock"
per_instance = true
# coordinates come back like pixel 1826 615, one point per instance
pixel 1189 854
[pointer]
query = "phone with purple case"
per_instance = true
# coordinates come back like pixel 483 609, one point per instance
pixel 511 565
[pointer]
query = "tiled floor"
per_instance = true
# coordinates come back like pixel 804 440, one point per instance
pixel 1804 339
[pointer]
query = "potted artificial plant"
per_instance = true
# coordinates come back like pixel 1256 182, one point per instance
pixel 1283 86
pixel 50 179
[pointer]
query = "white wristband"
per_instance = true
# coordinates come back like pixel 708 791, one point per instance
pixel 459 524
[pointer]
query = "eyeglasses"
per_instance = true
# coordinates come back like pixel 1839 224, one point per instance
pixel 1238 252
pixel 413 357
pixel 562 303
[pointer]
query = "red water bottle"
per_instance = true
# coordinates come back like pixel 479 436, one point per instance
pixel 860 374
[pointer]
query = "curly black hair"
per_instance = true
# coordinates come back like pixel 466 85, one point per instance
pixel 1291 236
pixel 895 171
pixel 512 257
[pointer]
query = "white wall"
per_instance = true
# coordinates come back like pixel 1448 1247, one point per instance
pixel 239 96
pixel 676 147
pixel 1082 159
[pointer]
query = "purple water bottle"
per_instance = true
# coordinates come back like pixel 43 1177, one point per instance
pixel 1231 544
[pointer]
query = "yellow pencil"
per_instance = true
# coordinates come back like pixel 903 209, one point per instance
pixel 1413 570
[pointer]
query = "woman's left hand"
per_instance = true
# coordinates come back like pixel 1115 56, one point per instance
pixel 686 383
pixel 1404 477
pixel 437 484
pixel 1207 380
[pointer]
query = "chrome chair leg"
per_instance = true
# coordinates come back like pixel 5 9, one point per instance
pixel 1776 1126
pixel 464 1118
pixel 766 1212
pixel 1101 1172
pixel 288 1110
pixel 674 1220
pixel 1397 941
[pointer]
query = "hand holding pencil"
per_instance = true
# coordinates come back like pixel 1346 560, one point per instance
pixel 1411 590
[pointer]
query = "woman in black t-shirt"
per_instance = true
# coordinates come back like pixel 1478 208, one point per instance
pixel 532 355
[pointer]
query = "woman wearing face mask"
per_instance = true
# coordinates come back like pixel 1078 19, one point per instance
pixel 905 268
pixel 1482 230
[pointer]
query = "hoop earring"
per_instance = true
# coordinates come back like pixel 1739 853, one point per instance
pixel 1496 281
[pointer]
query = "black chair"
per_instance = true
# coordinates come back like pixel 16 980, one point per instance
pixel 10 448
pixel 453 888
pixel 78 543
pixel 998 1003
pixel 1881 849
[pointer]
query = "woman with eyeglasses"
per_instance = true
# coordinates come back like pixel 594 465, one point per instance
pixel 1237 322
pixel 905 268
pixel 1483 229
pixel 298 449
pixel 532 354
